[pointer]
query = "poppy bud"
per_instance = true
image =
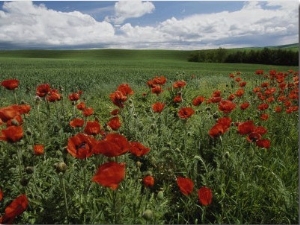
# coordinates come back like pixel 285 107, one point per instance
pixel 134 115
pixel 28 131
pixel 29 169
pixel 153 126
pixel 226 155
pixel 160 195
pixel 24 181
pixel 169 144
pixel 60 167
pixel 215 116
pixel 15 122
pixel 138 164
pixel 148 214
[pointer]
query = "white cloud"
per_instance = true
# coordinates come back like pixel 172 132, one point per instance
pixel 257 23
pixel 130 9
pixel 25 22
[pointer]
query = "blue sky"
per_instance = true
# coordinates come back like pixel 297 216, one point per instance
pixel 139 24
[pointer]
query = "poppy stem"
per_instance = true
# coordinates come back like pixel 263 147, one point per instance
pixel 65 194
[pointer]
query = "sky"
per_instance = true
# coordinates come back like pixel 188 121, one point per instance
pixel 135 24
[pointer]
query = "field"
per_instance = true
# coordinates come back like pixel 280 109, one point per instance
pixel 137 137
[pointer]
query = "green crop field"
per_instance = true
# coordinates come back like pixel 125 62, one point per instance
pixel 144 136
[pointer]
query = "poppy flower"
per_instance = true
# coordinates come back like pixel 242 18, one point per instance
pixel 253 137
pixel 113 145
pixel 10 84
pixel 38 149
pixel 74 96
pixel 198 100
pixel 264 116
pixel 246 127
pixel 53 96
pixel 215 99
pixel 225 122
pixel 14 209
pixel 226 106
pixel 179 84
pixel 231 97
pixel 80 146
pixel 156 89
pixel 244 105
pixel 238 79
pixel 76 122
pixel 110 175
pixel 243 84
pixel 16 121
pixel 263 143
pixel 125 89
pixel 88 111
pixel 185 185
pixel 259 72
pixel 42 90
pixel 205 196
pixel 278 109
pixel 260 130
pixel 177 99
pixel 92 128
pixel 12 134
pixel 158 107
pixel 216 130
pixel 216 93
pixel 148 181
pixel 263 106
pixel 239 92
pixel 115 112
pixel 185 112
pixel 137 149
pixel 23 109
pixel 8 113
pixel 118 98
pixel 159 80
pixel 114 123
pixel 81 106
pixel 291 109
pixel 1 195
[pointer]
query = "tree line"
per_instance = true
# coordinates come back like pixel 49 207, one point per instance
pixel 262 56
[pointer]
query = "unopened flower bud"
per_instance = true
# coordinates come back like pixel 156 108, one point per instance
pixel 60 167
pixel 148 214
pixel 28 131
pixel 138 164
pixel 160 195
pixel 29 169
pixel 24 181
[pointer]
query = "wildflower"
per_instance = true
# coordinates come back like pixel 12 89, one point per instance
pixel 244 105
pixel 110 175
pixel 74 96
pixel 14 209
pixel 158 107
pixel 38 149
pixel 114 123
pixel 239 92
pixel 1 195
pixel 115 112
pixel 76 122
pixel 216 130
pixel 263 106
pixel 185 185
pixel 118 98
pixel 12 134
pixel 10 84
pixel 125 89
pixel 156 89
pixel 263 143
pixel 53 96
pixel 198 100
pixel 253 137
pixel 179 84
pixel 246 127
pixel 148 181
pixel 88 111
pixel 186 112
pixel 81 106
pixel 177 99
pixel 264 116
pixel 226 106
pixel 113 145
pixel 8 113
pixel 231 97
pixel 278 109
pixel 159 80
pixel 80 146
pixel 243 84
pixel 137 149
pixel 92 128
pixel 205 196
pixel 42 90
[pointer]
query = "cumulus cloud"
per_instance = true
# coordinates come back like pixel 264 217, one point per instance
pixel 130 9
pixel 255 24
pixel 25 22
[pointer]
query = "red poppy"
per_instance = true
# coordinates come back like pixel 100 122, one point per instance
pixel 231 97
pixel 23 109
pixel 148 181
pixel 185 112
pixel 259 72
pixel 156 89
pixel 225 122
pixel 158 107
pixel 110 175
pixel 278 109
pixel 137 149
pixel 42 90
pixel 74 96
pixel 14 209
pixel 53 96
pixel 12 134
pixel 92 128
pixel 115 112
pixel 264 84
pixel 216 93
pixel 81 106
pixel 239 92
pixel 118 98
pixel 244 105
pixel 113 145
pixel 80 146
pixel 226 106
pixel 198 100
pixel 114 123
pixel 10 84
pixel 263 106
pixel 177 99
pixel 77 122
pixel 246 127
pixel 88 111
pixel 263 143
pixel 159 80
pixel 243 84
pixel 205 196
pixel 214 99
pixel 264 116
pixel 270 91
pixel 216 130
pixel 8 113
pixel 253 137
pixel 260 130
pixel 238 79
pixel 1 195
pixel 125 89
pixel 293 108
pixel 185 185
pixel 179 84
pixel 38 149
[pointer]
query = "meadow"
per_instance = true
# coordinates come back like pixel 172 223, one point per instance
pixel 138 137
